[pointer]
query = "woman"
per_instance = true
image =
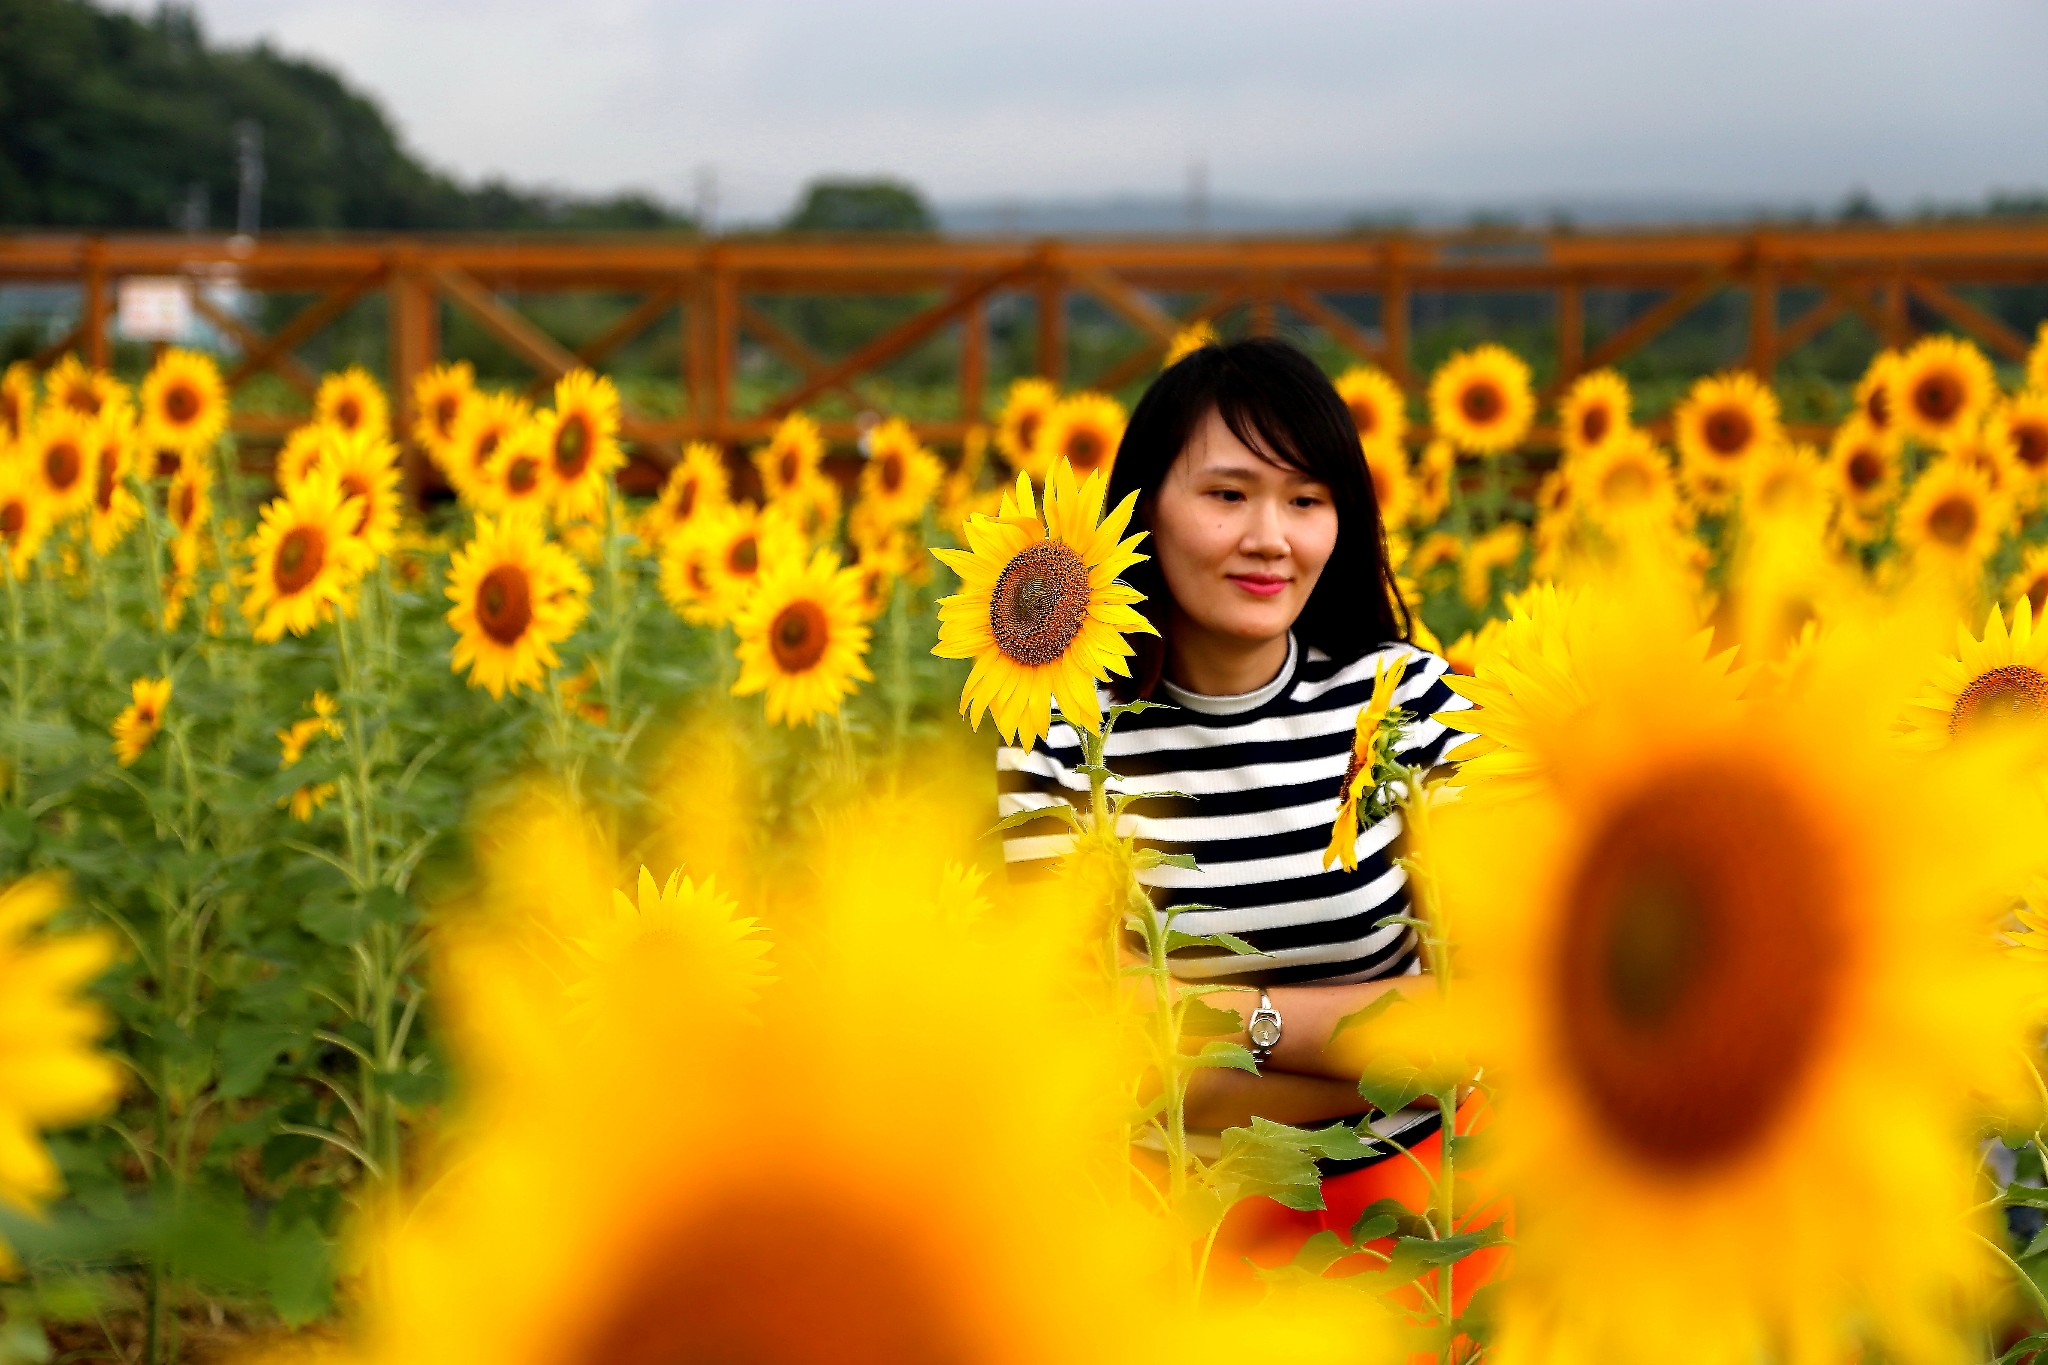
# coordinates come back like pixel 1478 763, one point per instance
pixel 1275 603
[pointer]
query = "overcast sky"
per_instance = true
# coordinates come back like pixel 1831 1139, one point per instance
pixel 1468 100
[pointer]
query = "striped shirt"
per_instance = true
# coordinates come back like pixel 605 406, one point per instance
pixel 1256 779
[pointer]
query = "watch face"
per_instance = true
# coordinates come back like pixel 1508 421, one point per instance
pixel 1265 1031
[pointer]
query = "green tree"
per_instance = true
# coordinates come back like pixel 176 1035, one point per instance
pixel 833 205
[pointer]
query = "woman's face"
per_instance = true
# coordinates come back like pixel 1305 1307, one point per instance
pixel 1240 540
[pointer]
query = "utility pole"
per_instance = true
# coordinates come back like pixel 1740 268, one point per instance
pixel 249 175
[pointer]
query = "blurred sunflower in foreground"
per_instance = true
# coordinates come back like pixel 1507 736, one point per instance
pixel 729 1172
pixel 1709 942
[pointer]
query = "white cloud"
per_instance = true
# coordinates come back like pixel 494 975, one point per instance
pixel 1292 98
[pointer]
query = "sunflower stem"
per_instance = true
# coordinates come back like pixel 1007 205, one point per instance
pixel 17 688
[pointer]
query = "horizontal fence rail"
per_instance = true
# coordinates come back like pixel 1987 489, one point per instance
pixel 712 292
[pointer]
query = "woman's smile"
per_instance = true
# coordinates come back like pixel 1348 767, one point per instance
pixel 1260 584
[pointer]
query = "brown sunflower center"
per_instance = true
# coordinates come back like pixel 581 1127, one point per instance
pixel 1364 415
pixel 84 400
pixel 1728 431
pixel 572 445
pixel 1027 429
pixel 1085 449
pixel 1482 402
pixel 1866 470
pixel 1938 397
pixel 892 472
pixel 63 462
pixel 487 446
pixel 103 482
pixel 1594 424
pixel 1953 520
pixel 686 499
pixel 10 411
pixel 1040 603
pixel 181 404
pixel 744 558
pixel 2030 444
pixel 504 604
pixel 798 635
pixel 348 413
pixel 787 468
pixel 1698 964
pixel 1998 695
pixel 299 557
pixel 168 463
pixel 1625 482
pixel 768 1276
pixel 186 509
pixel 13 516
pixel 446 408
pixel 357 487
pixel 1877 406
pixel 522 475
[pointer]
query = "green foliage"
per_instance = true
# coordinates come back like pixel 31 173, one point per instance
pixel 113 121
pixel 831 205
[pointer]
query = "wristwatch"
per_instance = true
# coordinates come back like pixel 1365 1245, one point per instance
pixel 1264 1029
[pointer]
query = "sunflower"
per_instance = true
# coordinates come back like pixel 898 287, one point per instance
pixel 302 449
pixel 875 583
pixel 1084 429
pixel 791 457
pixel 1194 337
pixel 1040 610
pixel 738 543
pixel 189 500
pixel 55 1075
pixel 478 429
pixel 17 402
pixel 1497 550
pixel 1874 397
pixel 352 401
pixel 1864 467
pixel 58 460
pixel 582 433
pixel 685 576
pixel 1986 684
pixel 900 475
pixel 1625 486
pixel 1940 385
pixel 1951 518
pixel 1480 400
pixel 140 720
pixel 2019 427
pixel 1435 474
pixel 23 522
pixel 579 1214
pixel 293 739
pixel 516 479
pixel 517 595
pixel 71 385
pixel 303 557
pixel 366 467
pixel 1594 413
pixel 302 801
pixel 801 639
pixel 1979 445
pixel 662 924
pixel 813 506
pixel 184 401
pixel 1392 489
pixel 1358 773
pixel 179 577
pixel 1714 946
pixel 1378 407
pixel 438 399
pixel 1025 408
pixel 115 509
pixel 2030 584
pixel 695 484
pixel 1787 485
pixel 1723 421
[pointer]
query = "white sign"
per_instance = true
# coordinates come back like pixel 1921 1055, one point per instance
pixel 153 308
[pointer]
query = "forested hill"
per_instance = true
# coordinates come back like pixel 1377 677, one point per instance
pixel 116 121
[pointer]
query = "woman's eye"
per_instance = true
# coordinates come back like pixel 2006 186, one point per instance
pixel 1308 500
pixel 1227 494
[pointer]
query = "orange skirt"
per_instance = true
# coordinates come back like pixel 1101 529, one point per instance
pixel 1260 1232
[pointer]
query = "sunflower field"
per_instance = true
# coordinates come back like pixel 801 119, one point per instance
pixel 552 926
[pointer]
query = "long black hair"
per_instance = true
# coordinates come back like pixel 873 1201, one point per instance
pixel 1281 405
